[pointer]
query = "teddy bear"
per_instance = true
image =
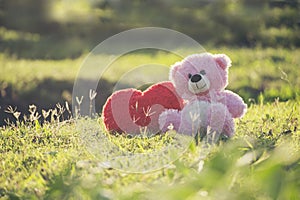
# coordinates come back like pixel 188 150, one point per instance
pixel 132 112
pixel 201 79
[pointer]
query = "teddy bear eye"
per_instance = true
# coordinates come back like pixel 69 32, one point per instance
pixel 202 72
pixel 190 75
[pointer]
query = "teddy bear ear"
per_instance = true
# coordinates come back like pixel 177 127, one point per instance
pixel 173 70
pixel 222 60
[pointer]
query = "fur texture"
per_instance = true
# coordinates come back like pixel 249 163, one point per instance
pixel 200 79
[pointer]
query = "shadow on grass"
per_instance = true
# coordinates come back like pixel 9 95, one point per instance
pixel 45 95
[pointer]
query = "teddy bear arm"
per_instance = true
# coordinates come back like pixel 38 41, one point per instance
pixel 235 104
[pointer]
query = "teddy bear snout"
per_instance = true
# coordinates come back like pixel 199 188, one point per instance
pixel 196 77
pixel 198 83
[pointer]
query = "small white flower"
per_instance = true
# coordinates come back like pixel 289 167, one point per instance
pixel 93 94
pixel 170 127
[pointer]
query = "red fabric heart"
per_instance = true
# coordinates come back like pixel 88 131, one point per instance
pixel 130 109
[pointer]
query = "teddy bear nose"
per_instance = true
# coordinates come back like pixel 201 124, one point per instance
pixel 195 78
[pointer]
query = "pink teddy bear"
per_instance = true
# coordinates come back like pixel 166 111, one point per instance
pixel 200 79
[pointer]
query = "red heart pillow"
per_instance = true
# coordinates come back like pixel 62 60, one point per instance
pixel 130 110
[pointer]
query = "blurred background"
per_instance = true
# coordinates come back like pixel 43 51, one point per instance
pixel 43 42
pixel 58 29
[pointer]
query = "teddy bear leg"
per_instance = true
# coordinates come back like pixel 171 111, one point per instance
pixel 169 120
pixel 193 117
pixel 229 128
pixel 220 121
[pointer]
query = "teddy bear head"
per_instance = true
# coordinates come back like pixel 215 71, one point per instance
pixel 198 74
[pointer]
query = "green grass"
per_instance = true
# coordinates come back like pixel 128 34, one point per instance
pixel 54 161
pixel 272 72
pixel 33 71
pixel 74 159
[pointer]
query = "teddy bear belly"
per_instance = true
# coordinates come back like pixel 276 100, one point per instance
pixel 199 116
